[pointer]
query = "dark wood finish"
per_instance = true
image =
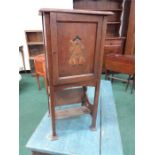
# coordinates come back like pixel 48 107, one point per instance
pixel 131 77
pixel 115 6
pixel 98 5
pixel 72 112
pixel 125 17
pixel 69 96
pixel 119 63
pixel 130 41
pixel 76 11
pixel 117 28
pixel 74 45
pixel 113 45
pixel 35 46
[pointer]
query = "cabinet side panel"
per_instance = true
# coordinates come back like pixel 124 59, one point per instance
pixel 47 46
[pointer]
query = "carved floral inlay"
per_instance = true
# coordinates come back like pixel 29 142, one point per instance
pixel 77 52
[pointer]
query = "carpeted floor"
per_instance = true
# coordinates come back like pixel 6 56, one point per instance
pixel 33 105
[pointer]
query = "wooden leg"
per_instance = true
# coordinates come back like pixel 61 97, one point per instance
pixel 133 85
pixel 128 82
pixel 95 107
pixel 46 86
pixel 49 103
pixel 38 82
pixel 106 74
pixel 112 74
pixel 85 100
pixel 84 95
pixel 53 119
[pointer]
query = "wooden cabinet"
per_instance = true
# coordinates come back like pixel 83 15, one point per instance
pixel 74 46
pixel 130 41
pixel 74 54
pixel 113 45
pixel 35 45
pixel 114 21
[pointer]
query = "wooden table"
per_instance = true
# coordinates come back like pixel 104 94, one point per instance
pixel 119 63
pixel 75 136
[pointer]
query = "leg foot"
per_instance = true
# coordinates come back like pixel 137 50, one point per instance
pixel 38 82
pixel 127 83
pixel 92 128
pixel 54 138
pixel 51 137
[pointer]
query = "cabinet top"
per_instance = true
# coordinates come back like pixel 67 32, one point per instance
pixel 76 11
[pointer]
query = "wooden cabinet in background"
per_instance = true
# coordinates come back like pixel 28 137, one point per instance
pixel 35 46
pixel 130 41
pixel 114 21
pixel 117 25
pixel 113 45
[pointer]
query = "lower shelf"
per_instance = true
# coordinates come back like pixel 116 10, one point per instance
pixel 72 112
pixel 69 96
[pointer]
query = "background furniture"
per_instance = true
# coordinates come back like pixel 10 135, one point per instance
pixel 35 46
pixel 130 41
pixel 120 64
pixel 22 54
pixel 74 42
pixel 39 64
pixel 120 28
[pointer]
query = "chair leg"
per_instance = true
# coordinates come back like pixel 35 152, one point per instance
pixel 128 82
pixel 46 86
pixel 95 107
pixel 112 80
pixel 107 74
pixel 133 85
pixel 38 82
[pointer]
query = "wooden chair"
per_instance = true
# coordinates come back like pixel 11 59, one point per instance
pixel 40 70
pixel 119 63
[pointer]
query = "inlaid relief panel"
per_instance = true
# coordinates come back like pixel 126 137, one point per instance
pixel 77 52
pixel 75 49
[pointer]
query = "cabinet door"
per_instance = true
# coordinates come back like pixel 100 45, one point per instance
pixel 75 41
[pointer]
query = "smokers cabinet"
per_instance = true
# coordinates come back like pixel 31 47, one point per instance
pixel 74 47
